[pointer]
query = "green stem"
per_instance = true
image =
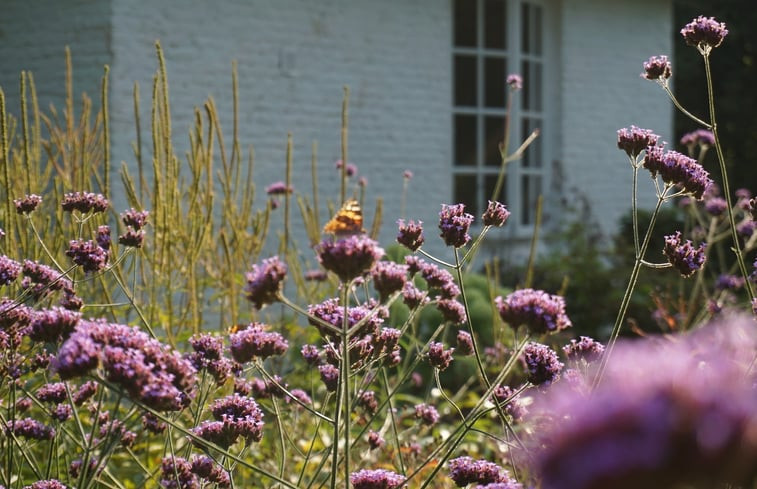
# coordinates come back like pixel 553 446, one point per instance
pixel 724 173
pixel 686 112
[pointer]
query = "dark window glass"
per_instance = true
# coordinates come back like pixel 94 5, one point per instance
pixel 465 80
pixel 494 131
pixel 525 26
pixel 495 23
pixel 465 23
pixel 494 80
pixel 465 140
pixel 532 83
pixel 465 192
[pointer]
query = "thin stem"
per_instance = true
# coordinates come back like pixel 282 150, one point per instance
pixel 634 212
pixel 686 112
pixel 724 173
pixel 468 322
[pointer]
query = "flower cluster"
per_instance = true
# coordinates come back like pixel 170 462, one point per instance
pixel 514 407
pixel 702 137
pixel 254 341
pixel 683 255
pixel 539 311
pixel 9 270
pixel 234 417
pixel 208 354
pixel 427 414
pixel 495 215
pixel 376 479
pixel 679 413
pixel 514 81
pixel 47 484
pixel 388 278
pixel 40 280
pixel 464 343
pixel 633 140
pixel 349 257
pixel 454 224
pixel 279 188
pixel 29 428
pixel 264 281
pixel 542 364
pixel 705 33
pixel 411 234
pixel 84 202
pixel 145 368
pixel 466 470
pixel 657 68
pixel 678 169
pixel 87 254
pixel 438 357
pixel 586 349
pixel 27 204
pixel 135 222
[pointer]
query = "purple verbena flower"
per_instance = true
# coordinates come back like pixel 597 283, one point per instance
pixel 376 479
pixel 54 393
pixel 412 296
pixel 367 400
pixel 132 238
pixel 539 311
pixel 27 204
pixel 351 168
pixel 729 282
pixel 438 357
pixel 205 468
pixel 677 169
pixel 464 343
pixel 88 254
pixel 311 354
pixel 715 206
pixel 62 412
pixel 47 484
pixel 704 33
pixel 410 234
pixel 9 270
pixel 29 428
pixel 264 281
pixel 427 413
pixel 134 218
pixel 451 310
pixel 585 348
pixel 329 376
pixel 349 257
pixel 50 325
pixel 407 174
pixel 465 470
pixel 454 224
pixel 682 255
pixel 375 440
pixel 542 365
pixel 514 407
pixel 633 140
pixel 514 81
pixel 388 278
pixel 496 214
pixel 278 188
pixel 84 202
pixel 84 392
pixel 702 137
pixel 254 341
pixel 657 68
pixel 176 473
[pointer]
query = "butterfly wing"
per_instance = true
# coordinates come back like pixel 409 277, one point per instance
pixel 349 220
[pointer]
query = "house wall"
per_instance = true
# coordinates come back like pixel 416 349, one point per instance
pixel 33 35
pixel 294 57
pixel 603 45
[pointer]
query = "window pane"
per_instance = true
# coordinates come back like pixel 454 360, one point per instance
pixel 494 130
pixel 530 191
pixel 531 29
pixel 532 157
pixel 465 23
pixel 532 85
pixel 465 140
pixel 465 80
pixel 490 182
pixel 465 192
pixel 494 78
pixel 525 31
pixel 495 32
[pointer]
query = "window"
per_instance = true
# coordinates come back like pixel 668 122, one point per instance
pixel 491 39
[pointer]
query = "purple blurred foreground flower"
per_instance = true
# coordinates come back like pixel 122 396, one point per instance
pixel 682 255
pixel 677 169
pixel 264 281
pixel 376 479
pixel 539 311
pixel 454 224
pixel 702 137
pixel 633 140
pixel 704 33
pixel 349 257
pixel 657 68
pixel 669 412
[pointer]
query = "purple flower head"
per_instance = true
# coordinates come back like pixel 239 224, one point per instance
pixel 85 392
pixel 311 354
pixel 715 206
pixel 438 357
pixel 54 393
pixel 329 376
pixel 301 396
pixel 454 224
pixel 47 484
pixel 208 346
pixel 704 33
pixel 464 343
pixel 465 470
pixel 27 204
pixel 103 237
pixel 9 270
pixel 514 407
pixel 514 81
pixel 411 234
pixel 62 412
pixel 52 324
pixel 677 169
pixel 331 312
pixel 667 413
pixel 682 255
pixel 264 281
pixel 376 479
pixel 235 417
pixel 349 257
pixel 702 137
pixel 633 140
pixel 541 363
pixel 412 296
pixel 75 467
pixel 729 282
pixel 362 181
pixel 176 473
pixel 439 279
pixel 30 429
pixel 134 218
pixel 375 440
pixel 84 202
pixel 539 311
pixel 657 68
pixel 279 188
pixel 45 276
pixel 407 174
pixel 451 310
pixel 585 348
pixel 351 169
pixel 88 254
pixel 496 214
pixel 132 238
pixel 205 468
pixel 388 278
pixel 76 357
pixel 367 400
pixel 427 414
pixel 254 341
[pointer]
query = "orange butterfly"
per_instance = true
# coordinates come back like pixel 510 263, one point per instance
pixel 349 220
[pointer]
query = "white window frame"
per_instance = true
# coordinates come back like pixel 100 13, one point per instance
pixel 521 221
